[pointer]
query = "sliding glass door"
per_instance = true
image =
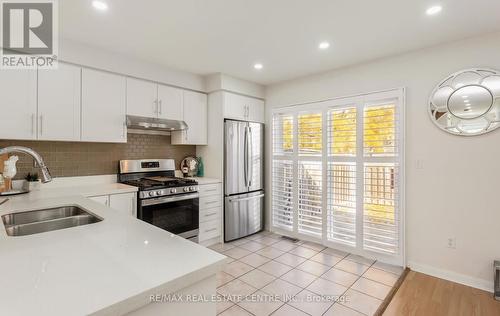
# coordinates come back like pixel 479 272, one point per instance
pixel 337 175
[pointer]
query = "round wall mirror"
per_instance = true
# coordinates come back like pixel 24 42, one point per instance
pixel 467 102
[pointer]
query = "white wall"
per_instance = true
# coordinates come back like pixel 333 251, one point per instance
pixel 456 194
pixel 78 53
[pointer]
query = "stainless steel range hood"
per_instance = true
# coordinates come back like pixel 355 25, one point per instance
pixel 154 124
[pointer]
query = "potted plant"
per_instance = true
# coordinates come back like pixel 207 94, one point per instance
pixel 32 182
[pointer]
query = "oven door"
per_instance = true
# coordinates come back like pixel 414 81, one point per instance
pixel 177 214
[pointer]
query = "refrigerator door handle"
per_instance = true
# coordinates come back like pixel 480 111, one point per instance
pixel 246 198
pixel 250 157
pixel 246 158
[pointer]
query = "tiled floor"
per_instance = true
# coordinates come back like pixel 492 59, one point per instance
pixel 268 275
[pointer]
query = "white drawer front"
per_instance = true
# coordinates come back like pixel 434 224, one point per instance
pixel 210 189
pixel 209 230
pixel 210 214
pixel 210 202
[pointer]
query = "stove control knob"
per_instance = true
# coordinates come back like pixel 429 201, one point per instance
pixel 186 189
pixel 173 191
pixel 158 193
pixel 191 188
pixel 151 193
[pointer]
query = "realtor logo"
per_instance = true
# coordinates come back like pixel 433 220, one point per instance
pixel 29 34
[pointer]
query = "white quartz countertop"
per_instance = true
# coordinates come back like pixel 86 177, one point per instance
pixel 203 180
pixel 106 268
pixel 86 190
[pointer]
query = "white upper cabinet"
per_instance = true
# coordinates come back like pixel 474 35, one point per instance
pixel 103 107
pixel 256 112
pixel 142 98
pixel 59 103
pixel 235 107
pixel 170 103
pixel 243 108
pixel 18 108
pixel 195 116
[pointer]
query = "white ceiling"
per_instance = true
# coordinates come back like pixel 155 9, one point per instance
pixel 229 36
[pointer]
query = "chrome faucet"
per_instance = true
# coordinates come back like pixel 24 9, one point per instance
pixel 46 177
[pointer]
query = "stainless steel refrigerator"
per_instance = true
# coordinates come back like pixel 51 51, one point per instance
pixel 244 179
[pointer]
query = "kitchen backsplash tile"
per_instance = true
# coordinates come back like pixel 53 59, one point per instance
pixel 69 159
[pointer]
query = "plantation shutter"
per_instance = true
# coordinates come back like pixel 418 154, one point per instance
pixel 309 174
pixel 337 173
pixel 342 203
pixel 283 194
pixel 381 175
pixel 310 198
pixel 309 134
pixel 282 172
pixel 341 176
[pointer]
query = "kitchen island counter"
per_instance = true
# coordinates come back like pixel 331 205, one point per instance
pixel 107 268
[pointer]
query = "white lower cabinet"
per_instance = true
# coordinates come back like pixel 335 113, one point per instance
pixel 102 199
pixel 210 214
pixel 209 230
pixel 125 203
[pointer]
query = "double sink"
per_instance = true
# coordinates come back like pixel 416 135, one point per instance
pixel 44 220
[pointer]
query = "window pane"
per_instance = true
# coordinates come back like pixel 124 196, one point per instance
pixel 310 198
pixel 282 134
pixel 342 128
pixel 380 223
pixel 380 130
pixel 342 203
pixel 309 131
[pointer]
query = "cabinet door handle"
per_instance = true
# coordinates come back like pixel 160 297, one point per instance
pixel 160 108
pixel 210 230
pixel 41 124
pixel 211 202
pixel 210 214
pixel 155 106
pixel 32 124
pixel 211 190
pixel 124 130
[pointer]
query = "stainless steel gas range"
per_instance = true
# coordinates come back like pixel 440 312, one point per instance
pixel 163 200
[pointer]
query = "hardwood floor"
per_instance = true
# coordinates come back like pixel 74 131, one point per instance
pixel 421 294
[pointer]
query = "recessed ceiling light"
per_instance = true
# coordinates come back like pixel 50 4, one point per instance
pixel 258 66
pixel 323 45
pixel 100 5
pixel 434 10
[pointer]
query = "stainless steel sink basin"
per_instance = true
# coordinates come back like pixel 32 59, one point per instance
pixel 44 220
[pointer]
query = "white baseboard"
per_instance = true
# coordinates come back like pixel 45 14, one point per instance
pixel 452 276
